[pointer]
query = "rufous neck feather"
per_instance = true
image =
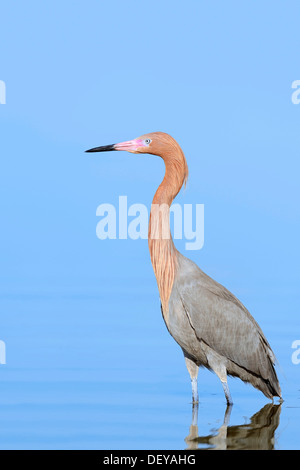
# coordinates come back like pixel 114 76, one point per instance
pixel 162 250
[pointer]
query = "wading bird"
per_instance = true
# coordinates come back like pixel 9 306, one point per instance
pixel 211 325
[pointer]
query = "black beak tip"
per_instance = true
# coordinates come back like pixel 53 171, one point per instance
pixel 104 148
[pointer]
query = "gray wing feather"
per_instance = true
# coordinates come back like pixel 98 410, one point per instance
pixel 218 319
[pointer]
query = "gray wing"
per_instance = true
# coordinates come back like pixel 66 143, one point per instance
pixel 202 308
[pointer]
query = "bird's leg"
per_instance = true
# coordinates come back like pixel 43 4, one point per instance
pixel 227 392
pixel 218 366
pixel 195 390
pixel 193 371
pixel 195 414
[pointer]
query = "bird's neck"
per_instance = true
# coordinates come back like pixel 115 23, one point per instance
pixel 162 249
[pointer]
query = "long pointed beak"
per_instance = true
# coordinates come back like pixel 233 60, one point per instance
pixel 129 145
pixel 104 148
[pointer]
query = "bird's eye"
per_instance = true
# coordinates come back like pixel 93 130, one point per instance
pixel 147 141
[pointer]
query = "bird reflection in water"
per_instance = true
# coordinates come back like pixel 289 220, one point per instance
pixel 258 434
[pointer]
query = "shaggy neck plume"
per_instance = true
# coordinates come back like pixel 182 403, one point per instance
pixel 162 250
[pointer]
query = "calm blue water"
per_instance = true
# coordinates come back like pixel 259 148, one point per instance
pixel 99 371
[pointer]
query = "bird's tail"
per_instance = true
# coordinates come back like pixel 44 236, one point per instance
pixel 270 386
pixel 267 382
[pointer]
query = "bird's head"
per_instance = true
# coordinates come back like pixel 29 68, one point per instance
pixel 155 143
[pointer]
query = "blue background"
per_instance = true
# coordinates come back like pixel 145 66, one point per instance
pixel 89 361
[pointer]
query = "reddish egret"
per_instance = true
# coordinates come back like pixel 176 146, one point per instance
pixel 211 325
